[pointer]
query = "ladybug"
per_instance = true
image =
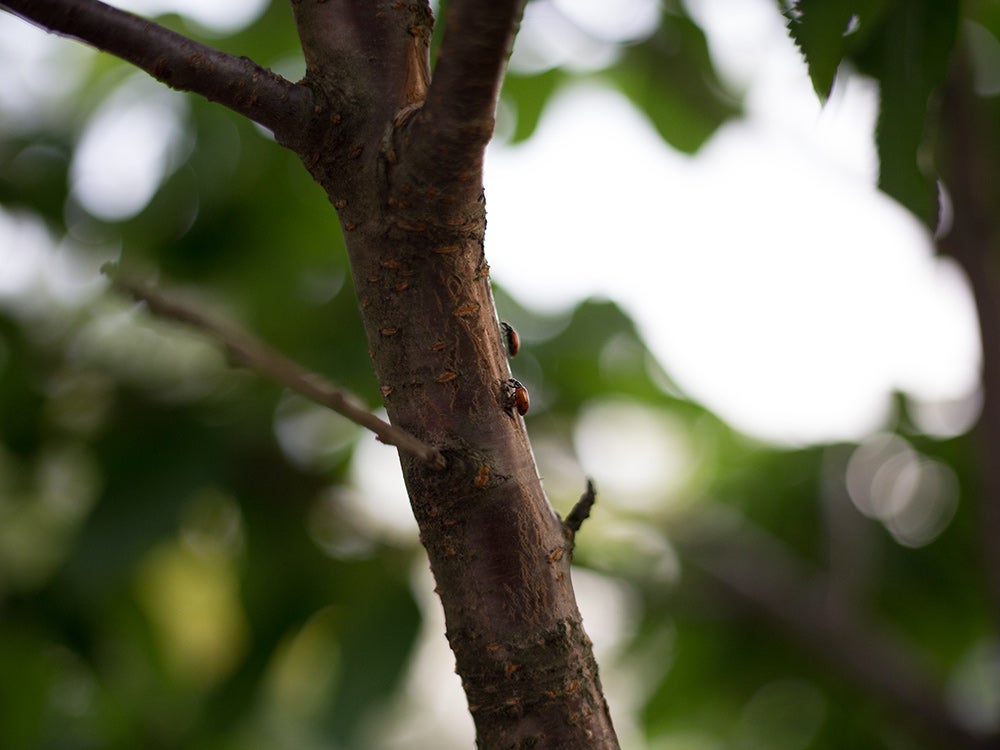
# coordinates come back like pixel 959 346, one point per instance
pixel 511 339
pixel 517 396
pixel 521 400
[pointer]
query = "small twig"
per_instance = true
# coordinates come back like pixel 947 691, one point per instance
pixel 581 511
pixel 268 362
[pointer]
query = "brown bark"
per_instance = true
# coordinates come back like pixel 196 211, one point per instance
pixel 406 174
pixel 400 155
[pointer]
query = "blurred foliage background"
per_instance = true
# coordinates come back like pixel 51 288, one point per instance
pixel 191 558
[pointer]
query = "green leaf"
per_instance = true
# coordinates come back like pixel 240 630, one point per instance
pixel 906 47
pixel 376 642
pixel 670 77
pixel 827 31
pixel 529 95
pixel 909 56
pixel 819 29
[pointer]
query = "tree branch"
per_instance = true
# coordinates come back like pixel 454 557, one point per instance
pixel 971 163
pixel 760 572
pixel 364 52
pixel 178 61
pixel 581 510
pixel 266 361
pixel 458 116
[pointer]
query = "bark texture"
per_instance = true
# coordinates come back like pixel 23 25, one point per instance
pixel 405 171
pixel 400 156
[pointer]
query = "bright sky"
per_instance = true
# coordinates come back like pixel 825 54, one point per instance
pixel 770 277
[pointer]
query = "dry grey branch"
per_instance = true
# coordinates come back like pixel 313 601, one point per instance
pixel 268 362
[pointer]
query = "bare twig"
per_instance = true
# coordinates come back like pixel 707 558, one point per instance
pixel 581 510
pixel 178 61
pixel 266 361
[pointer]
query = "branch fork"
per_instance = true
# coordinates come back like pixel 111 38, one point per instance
pixel 267 362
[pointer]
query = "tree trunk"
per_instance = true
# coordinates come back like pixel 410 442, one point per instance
pixel 408 183
pixel 400 157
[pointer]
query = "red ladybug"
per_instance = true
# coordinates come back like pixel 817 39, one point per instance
pixel 521 400
pixel 517 396
pixel 511 338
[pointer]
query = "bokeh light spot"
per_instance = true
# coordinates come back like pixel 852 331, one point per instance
pixel 193 603
pixel 638 456
pixel 129 146
pixel 913 496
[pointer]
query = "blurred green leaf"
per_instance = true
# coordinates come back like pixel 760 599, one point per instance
pixel 910 56
pixel 21 401
pixel 529 94
pixel 670 77
pixel 34 174
pixel 906 47
pixel 22 703
pixel 820 29
pixel 378 635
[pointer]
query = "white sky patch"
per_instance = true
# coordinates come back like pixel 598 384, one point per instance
pixel 129 146
pixel 218 16
pixel 743 35
pixel 548 39
pixel 619 21
pixel 771 278
pixel 379 500
pixel 25 244
pixel 637 455
pixel 40 73
pixel 37 274
pixel 563 205
pixel 579 34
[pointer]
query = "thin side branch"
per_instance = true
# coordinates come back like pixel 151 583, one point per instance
pixel 178 61
pixel 266 361
pixel 581 510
